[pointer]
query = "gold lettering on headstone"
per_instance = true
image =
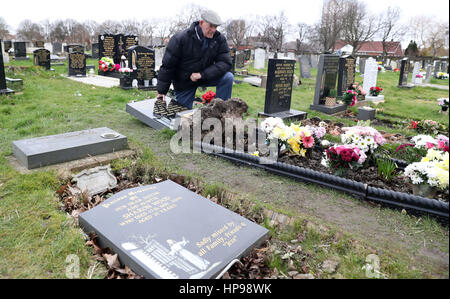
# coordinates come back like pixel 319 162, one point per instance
pixel 224 235
pixel 108 47
pixel 77 61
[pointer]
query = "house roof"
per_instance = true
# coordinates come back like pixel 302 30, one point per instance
pixel 375 47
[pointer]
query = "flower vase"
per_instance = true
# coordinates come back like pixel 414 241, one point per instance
pixel 146 83
pixel 424 190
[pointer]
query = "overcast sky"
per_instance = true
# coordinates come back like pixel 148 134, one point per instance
pixel 306 11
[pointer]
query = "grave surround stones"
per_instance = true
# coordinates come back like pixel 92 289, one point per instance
pixel 280 76
pixel 346 73
pixel 77 64
pixel 167 231
pixel 48 150
pixel 325 82
pixel 370 74
pixel 41 57
pixel 3 88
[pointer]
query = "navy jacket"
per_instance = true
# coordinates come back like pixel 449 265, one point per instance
pixel 184 56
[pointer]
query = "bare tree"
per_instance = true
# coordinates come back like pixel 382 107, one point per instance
pixel 390 29
pixel 329 28
pixel 3 28
pixel 187 15
pixel 59 31
pixel 130 27
pixel 274 30
pixel 109 27
pixel 165 28
pixel 28 30
pixel 418 29
pixel 46 29
pixel 92 28
pixel 235 32
pixel 359 25
pixel 437 39
pixel 304 36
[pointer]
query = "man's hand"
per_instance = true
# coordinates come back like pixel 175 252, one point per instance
pixel 195 77
pixel 161 96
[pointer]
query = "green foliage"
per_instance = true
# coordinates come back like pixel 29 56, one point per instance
pixel 386 168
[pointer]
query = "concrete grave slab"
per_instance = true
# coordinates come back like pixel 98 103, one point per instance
pixel 47 150
pixel 96 180
pixel 167 231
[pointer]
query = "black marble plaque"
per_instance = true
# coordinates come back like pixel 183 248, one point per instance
pixel 20 50
pixel 346 74
pixel 77 64
pixel 166 231
pixel 142 60
pixel 41 57
pixel 233 59
pixel 279 85
pixel 3 88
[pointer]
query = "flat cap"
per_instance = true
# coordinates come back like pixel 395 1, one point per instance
pixel 211 17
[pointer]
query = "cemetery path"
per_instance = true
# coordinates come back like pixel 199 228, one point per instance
pixel 383 229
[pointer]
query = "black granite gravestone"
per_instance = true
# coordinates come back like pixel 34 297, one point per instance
pixel 233 59
pixel 280 75
pixel 247 53
pixel 326 82
pixel 95 51
pixel 75 48
pixel 142 61
pixel 77 64
pixel 57 47
pixel 404 72
pixel 167 231
pixel 346 74
pixel 20 51
pixel 107 46
pixel 128 42
pixel 3 88
pixel 41 57
pixel 240 56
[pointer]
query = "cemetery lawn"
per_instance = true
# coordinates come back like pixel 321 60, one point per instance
pixel 36 236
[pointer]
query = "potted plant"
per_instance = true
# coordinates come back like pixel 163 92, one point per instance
pixel 375 91
pixel 125 80
pixel 350 97
pixel 418 79
pixel 330 100
pixel 443 102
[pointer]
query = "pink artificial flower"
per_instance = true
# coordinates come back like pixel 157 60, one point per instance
pixel 308 142
pixel 117 67
pixel 430 145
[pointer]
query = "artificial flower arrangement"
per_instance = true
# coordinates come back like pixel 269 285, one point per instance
pixel 424 141
pixel 208 97
pixel 343 157
pixel 107 64
pixel 375 91
pixel 431 170
pixel 365 138
pixel 442 75
pixel 419 76
pixel 427 126
pixel 126 71
pixel 350 97
pixel 443 102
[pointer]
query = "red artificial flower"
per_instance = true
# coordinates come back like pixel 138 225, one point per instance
pixel 430 145
pixel 208 97
pixel 413 124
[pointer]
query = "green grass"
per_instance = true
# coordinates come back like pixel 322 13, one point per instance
pixel 36 237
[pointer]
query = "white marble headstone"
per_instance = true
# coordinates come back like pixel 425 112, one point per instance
pixel 370 74
pixel 260 57
pixel 415 71
pixel 159 53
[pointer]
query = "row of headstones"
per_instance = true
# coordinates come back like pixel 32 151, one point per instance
pixel 20 48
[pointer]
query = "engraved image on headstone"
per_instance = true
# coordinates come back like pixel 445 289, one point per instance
pixel 167 231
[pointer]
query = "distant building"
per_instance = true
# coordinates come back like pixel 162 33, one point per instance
pixel 373 48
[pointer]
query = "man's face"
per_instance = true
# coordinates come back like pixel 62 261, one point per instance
pixel 207 29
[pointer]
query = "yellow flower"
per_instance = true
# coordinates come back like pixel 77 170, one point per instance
pixel 295 146
pixel 256 154
pixel 303 152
